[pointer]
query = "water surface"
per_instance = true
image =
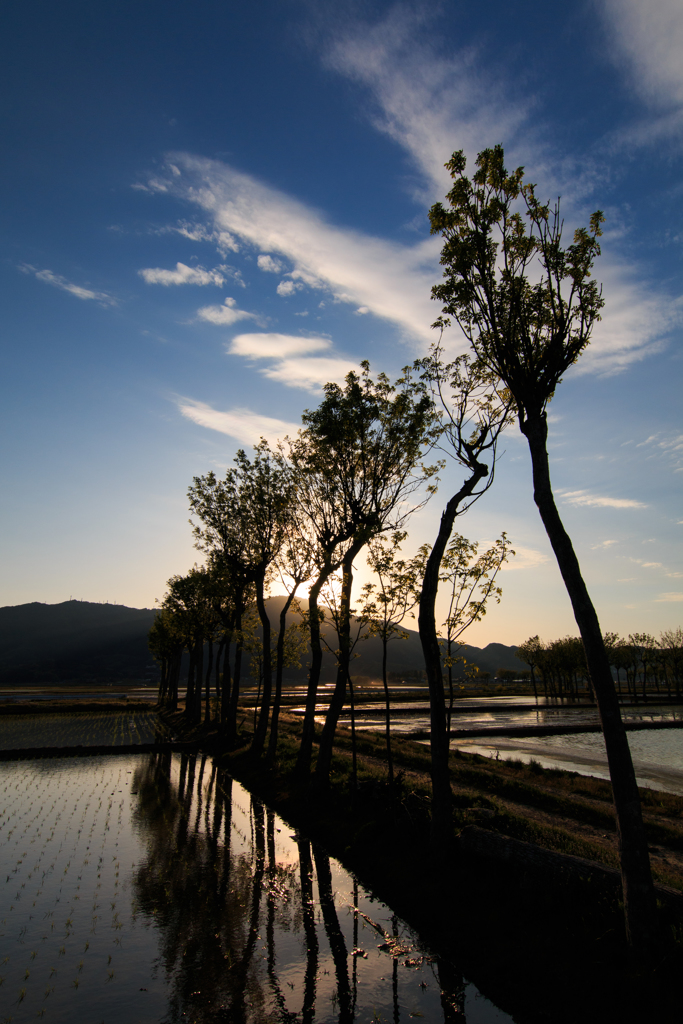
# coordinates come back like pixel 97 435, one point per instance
pixel 657 754
pixel 155 888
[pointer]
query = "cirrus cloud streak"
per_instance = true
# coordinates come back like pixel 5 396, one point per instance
pixel 242 424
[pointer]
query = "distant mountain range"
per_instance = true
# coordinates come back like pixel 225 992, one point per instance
pixel 83 642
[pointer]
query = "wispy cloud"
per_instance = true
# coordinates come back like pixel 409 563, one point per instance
pixel 393 281
pixel 525 558
pixel 667 446
pixel 309 373
pixel 183 275
pixel 648 39
pixel 289 287
pixel 275 346
pixel 430 104
pixel 603 545
pixel 671 596
pixel 270 265
pixel 195 232
pixel 635 321
pixel 68 286
pixel 242 424
pixel 293 361
pixel 225 315
pixel 597 501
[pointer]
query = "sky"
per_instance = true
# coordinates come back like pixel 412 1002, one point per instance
pixel 211 209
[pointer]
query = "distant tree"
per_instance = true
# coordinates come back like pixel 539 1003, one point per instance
pixel 641 647
pixel 530 652
pixel 471 582
pixel 167 642
pixel 506 675
pixel 528 307
pixel 620 657
pixel 671 643
pixel 189 601
pixel 243 517
pixel 386 603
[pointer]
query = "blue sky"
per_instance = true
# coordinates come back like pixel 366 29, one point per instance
pixel 212 209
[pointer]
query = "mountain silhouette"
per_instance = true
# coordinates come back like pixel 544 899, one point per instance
pixel 85 642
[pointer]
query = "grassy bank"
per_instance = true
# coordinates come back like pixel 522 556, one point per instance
pixel 546 948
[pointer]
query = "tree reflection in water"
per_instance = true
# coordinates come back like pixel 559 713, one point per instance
pixel 255 925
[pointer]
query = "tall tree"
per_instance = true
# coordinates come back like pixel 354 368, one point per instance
pixel 528 306
pixel 367 440
pixel 473 416
pixel 358 460
pixel 243 520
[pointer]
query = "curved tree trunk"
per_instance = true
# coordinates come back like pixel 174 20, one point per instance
pixel 387 727
pixel 303 764
pixel 235 691
pixel 638 889
pixel 324 762
pixel 442 817
pixel 262 728
pixel 279 667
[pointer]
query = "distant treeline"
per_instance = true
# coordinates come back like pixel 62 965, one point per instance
pixel 640 662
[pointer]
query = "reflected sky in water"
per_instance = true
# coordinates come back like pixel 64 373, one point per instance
pixel 154 888
pixel 485 713
pixel 657 754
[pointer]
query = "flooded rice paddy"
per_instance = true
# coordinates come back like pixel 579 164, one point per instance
pixel 154 888
pixel 479 714
pixel 84 728
pixel 657 754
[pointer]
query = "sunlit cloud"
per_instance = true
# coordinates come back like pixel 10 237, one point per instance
pixel 603 545
pixel 597 501
pixel 524 558
pixel 393 281
pixel 183 275
pixel 428 103
pixel 224 315
pixel 275 346
pixel 432 104
pixel 671 596
pixel 635 321
pixel 68 286
pixel 244 425
pixel 310 373
pixel 289 287
pixel 293 361
pixel 267 263
pixel 648 39
pixel 195 232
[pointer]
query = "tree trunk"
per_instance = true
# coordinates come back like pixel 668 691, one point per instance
pixel 442 817
pixel 385 684
pixel 262 728
pixel 235 691
pixel 324 762
pixel 207 687
pixel 638 890
pixel 303 764
pixel 279 667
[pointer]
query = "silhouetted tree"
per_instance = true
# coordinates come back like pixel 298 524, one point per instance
pixel 471 579
pixel 473 417
pixel 358 458
pixel 386 604
pixel 528 306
